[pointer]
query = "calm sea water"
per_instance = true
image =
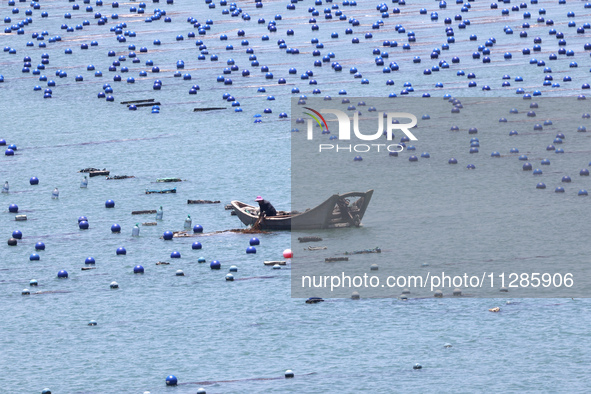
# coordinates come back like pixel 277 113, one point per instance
pixel 199 327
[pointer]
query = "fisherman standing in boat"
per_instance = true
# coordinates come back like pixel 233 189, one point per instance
pixel 265 207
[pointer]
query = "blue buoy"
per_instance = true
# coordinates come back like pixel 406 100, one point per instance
pixel 138 269
pixel 357 158
pixel 537 171
pixel 83 225
pixel 175 255
pixel 34 257
pixel 583 192
pixel 196 245
pixel 452 161
pixel 559 189
pixel 89 261
pixel 197 228
pixel 39 246
pixel 251 250
pixel 109 204
pixel 171 380
pixel 17 234
pixel 215 265
pixel 115 228
pixel 254 241
pixel 527 167
pixel 121 251
pixel 167 235
pixel 13 208
pixel 63 274
pixel 584 172
pixel 34 181
pixel 540 185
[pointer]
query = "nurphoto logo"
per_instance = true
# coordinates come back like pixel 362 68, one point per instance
pixel 344 129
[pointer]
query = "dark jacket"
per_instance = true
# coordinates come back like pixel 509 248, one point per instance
pixel 267 208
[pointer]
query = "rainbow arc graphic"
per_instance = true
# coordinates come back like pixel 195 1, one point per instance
pixel 317 115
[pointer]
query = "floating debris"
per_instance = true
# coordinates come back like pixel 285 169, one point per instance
pixel 309 239
pixel 117 177
pixel 495 309
pixel 374 250
pixel 145 212
pixel 165 191
pixel 169 180
pixel 143 105
pixel 98 173
pixel 314 300
pixel 162 263
pixel 20 218
pixel 138 101
pixel 88 268
pixel 279 262
pixel 203 202
pixel 92 169
pixel 333 259
pixel 186 234
pixel 315 248
pixel 149 224
pixel 208 109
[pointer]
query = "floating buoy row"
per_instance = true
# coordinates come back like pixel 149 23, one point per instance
pixel 204 29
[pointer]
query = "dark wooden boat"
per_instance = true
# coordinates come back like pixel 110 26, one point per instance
pixel 339 210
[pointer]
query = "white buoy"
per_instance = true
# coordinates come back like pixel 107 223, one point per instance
pixel 201 390
pixel 55 194
pixel 159 213
pixel 114 285
pixel 229 277
pixel 26 292
pixel 233 268
pixel 406 291
pixel 457 292
pixel 447 345
pixel 373 267
pixel 188 223
pixel 355 295
pixel 438 294
pixel 84 183
pixel 135 232
pixel 180 273
pixel 5 188
pixel 289 374
pixel 276 267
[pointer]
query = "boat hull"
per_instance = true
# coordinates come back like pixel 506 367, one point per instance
pixel 336 212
